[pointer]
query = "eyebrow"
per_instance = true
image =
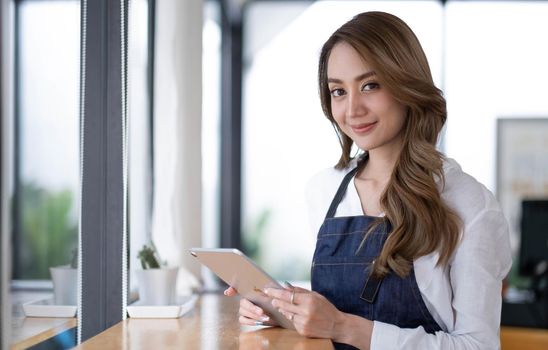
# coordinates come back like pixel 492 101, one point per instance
pixel 358 78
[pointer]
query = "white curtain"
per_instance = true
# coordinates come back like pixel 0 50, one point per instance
pixel 176 218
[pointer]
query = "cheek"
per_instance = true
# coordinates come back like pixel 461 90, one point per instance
pixel 398 120
pixel 397 115
pixel 338 113
pixel 401 117
pixel 396 129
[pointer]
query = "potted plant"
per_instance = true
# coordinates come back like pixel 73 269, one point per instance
pixel 65 280
pixel 157 283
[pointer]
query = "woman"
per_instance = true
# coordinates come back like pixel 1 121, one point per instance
pixel 412 251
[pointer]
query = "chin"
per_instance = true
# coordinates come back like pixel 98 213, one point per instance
pixel 365 146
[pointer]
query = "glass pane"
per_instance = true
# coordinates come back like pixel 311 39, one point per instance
pixel 211 99
pixel 47 152
pixel 139 131
pixel 286 137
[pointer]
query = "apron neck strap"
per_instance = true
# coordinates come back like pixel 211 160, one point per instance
pixel 344 185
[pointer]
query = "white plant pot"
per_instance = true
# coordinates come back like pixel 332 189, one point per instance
pixel 65 284
pixel 157 286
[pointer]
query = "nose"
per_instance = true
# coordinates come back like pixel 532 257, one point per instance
pixel 355 105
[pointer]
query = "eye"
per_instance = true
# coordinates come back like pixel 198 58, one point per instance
pixel 370 86
pixel 337 92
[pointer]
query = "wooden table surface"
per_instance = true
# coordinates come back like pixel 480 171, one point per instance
pixel 514 338
pixel 213 324
pixel 29 331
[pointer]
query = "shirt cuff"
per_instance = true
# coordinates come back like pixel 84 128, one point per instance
pixel 384 336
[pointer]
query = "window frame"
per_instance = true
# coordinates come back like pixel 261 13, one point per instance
pixel 104 197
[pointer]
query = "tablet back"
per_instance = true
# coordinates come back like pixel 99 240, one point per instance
pixel 240 272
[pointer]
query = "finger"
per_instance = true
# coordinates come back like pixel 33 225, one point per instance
pixel 251 310
pixel 284 306
pixel 281 298
pixel 286 295
pixel 248 321
pixel 245 303
pixel 277 293
pixel 253 316
pixel 230 291
pixel 257 322
pixel 289 315
pixel 289 286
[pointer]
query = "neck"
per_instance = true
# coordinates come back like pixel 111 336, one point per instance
pixel 381 162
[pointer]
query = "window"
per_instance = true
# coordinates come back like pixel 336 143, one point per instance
pixel 211 97
pixel 47 136
pixel 139 133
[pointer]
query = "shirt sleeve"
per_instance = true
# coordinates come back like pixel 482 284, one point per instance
pixel 481 261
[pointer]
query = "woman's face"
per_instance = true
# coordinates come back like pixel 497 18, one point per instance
pixel 361 106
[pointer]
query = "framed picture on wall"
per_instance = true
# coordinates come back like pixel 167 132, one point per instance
pixel 522 166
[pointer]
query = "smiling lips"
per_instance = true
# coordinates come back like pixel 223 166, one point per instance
pixel 363 128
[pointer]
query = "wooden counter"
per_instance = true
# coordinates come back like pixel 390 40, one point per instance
pixel 213 324
pixel 514 338
pixel 30 331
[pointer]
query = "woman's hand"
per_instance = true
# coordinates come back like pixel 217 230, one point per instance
pixel 250 314
pixel 314 316
pixel 311 313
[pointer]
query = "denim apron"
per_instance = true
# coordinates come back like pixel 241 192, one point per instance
pixel 340 272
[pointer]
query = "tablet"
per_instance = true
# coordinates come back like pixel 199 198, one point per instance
pixel 240 272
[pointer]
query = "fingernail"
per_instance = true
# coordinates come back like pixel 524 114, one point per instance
pixel 273 302
pixel 265 318
pixel 258 323
pixel 224 292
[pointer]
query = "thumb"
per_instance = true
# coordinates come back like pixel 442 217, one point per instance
pixel 230 291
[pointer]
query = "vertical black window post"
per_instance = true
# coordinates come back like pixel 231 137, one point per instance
pixel 231 123
pixel 102 207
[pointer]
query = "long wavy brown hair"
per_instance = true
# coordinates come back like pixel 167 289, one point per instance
pixel 421 221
